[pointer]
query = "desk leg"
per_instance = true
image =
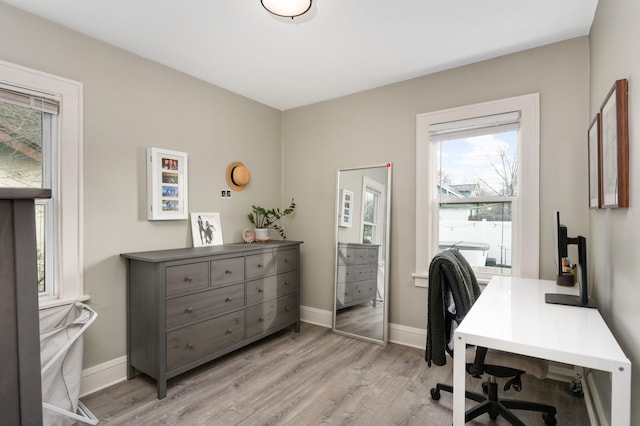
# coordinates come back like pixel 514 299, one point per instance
pixel 459 348
pixel 621 396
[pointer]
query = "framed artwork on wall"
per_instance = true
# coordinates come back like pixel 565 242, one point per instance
pixel 593 136
pixel 167 184
pixel 206 229
pixel 614 148
pixel 346 208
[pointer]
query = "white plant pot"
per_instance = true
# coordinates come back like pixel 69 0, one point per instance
pixel 262 235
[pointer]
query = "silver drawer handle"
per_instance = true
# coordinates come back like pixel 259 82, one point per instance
pixel 188 279
pixel 228 272
pixel 190 346
pixel 188 310
pixel 286 261
pixel 260 265
pixel 229 331
pixel 228 299
pixel 286 283
pixel 260 290
pixel 260 319
pixel 287 309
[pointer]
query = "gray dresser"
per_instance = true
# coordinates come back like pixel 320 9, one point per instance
pixel 186 307
pixel 357 274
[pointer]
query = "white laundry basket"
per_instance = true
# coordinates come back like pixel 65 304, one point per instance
pixel 61 330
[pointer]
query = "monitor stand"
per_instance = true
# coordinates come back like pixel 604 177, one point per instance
pixel 583 300
pixel 569 300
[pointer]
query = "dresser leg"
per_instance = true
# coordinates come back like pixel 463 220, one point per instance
pixel 131 371
pixel 162 389
pixel 297 327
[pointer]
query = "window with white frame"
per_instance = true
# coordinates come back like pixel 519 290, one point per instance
pixel 474 193
pixel 41 147
pixel 372 211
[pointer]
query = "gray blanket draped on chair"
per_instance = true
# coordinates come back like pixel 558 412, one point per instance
pixel 449 275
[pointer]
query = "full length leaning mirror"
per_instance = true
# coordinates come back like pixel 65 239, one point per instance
pixel 361 306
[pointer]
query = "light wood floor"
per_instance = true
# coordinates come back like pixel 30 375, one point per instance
pixel 363 320
pixel 310 378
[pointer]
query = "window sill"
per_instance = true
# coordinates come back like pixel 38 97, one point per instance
pixel 420 280
pixel 52 303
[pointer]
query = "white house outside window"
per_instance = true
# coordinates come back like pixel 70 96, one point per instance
pixel 474 193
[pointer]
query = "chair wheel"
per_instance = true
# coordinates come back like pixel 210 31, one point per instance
pixel 549 419
pixel 493 416
pixel 485 387
pixel 435 394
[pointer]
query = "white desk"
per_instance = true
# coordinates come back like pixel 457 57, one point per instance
pixel 511 315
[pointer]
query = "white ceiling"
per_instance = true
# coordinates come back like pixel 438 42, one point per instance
pixel 340 47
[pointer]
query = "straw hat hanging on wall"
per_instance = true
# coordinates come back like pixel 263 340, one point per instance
pixel 238 176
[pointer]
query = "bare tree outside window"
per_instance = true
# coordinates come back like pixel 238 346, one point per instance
pixel 21 162
pixel 477 178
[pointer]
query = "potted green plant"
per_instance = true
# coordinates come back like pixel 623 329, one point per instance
pixel 264 219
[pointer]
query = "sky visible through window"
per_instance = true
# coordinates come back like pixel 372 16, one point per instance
pixel 478 160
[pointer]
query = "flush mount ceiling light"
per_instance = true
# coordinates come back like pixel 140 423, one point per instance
pixel 287 8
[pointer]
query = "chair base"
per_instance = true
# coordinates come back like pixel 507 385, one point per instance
pixel 491 405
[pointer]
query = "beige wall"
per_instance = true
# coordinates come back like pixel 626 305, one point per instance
pixel 615 234
pixel 125 113
pixel 130 104
pixel 379 125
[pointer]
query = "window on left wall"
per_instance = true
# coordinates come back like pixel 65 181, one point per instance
pixel 41 147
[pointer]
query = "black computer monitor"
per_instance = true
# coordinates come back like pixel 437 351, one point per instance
pixel 561 250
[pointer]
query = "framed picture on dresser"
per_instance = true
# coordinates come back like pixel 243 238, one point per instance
pixel 206 229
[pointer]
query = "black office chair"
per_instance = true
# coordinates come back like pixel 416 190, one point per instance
pixel 453 289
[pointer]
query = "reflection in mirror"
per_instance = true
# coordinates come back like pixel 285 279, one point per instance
pixel 362 252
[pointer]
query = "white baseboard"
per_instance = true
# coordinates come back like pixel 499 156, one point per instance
pixel 400 334
pixel 408 336
pixel 316 316
pixel 103 375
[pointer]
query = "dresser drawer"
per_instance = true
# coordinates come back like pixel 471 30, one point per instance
pixel 191 343
pixel 185 278
pixel 346 255
pixel 271 287
pixel 261 264
pixel 343 294
pixel 287 260
pixel 272 313
pixel 226 271
pixel 345 273
pixel 364 290
pixel 186 309
pixel 365 272
pixel 369 255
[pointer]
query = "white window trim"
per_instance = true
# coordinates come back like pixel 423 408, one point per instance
pixel 69 277
pixel 367 182
pixel 526 214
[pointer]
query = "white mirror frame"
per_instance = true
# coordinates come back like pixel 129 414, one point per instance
pixel 387 238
